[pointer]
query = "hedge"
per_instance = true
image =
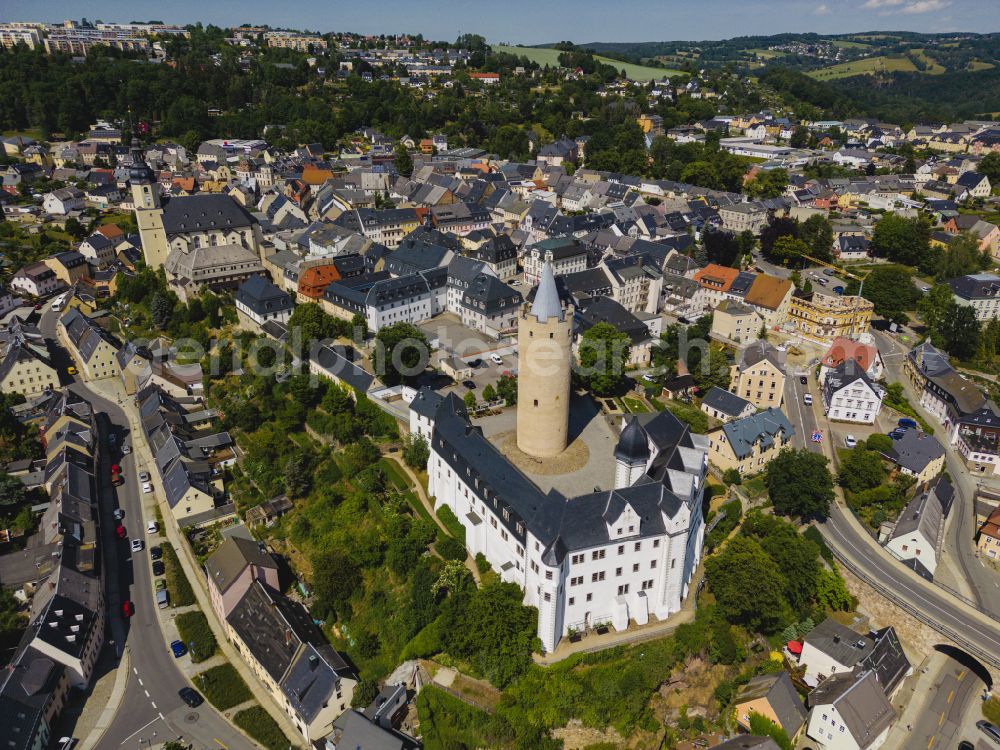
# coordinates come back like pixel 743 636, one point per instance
pixel 181 593
pixel 197 635
pixel 223 686
pixel 258 723
pixel 451 522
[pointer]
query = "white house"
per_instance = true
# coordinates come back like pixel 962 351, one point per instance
pixel 849 395
pixel 60 202
pixel 258 300
pixel 919 531
pixel 850 712
pixel 38 280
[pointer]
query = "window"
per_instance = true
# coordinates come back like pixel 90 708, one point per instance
pixel 621 549
pixel 646 585
pixel 576 581
pixel 547 596
pixel 548 575
pixel 576 559
pixel 597 554
pixel 590 597
pixel 623 589
pixel 618 572
pixel 652 563
pixel 638 546
pixel 572 601
pixel 595 577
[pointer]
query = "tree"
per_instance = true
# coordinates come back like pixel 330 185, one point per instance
pixel 297 474
pixel 961 257
pixel 769 183
pixel 416 452
pixel 12 491
pixel 831 591
pixel 713 370
pixel 312 322
pixel 403 161
pixel 891 291
pixel 489 393
pixel 732 476
pixel 789 250
pixel 902 240
pixel 800 137
pixel 334 581
pixel 933 306
pixel 778 227
pixel 364 693
pixel 796 557
pixel 989 165
pixel 470 400
pixel 748 586
pixel 722 247
pixel 960 331
pixel 507 389
pixel 359 326
pixel 861 469
pixel 817 233
pixel 161 309
pixel 799 484
pixel 762 726
pixel 401 353
pixel 879 443
pixel 603 353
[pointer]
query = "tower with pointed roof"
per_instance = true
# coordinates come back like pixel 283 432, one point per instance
pixel 545 350
pixel 148 209
pixel 631 454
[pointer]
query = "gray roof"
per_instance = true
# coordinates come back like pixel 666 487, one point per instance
pixel 887 659
pixel 232 557
pixel 336 364
pixel 914 450
pixel 262 296
pixel 839 642
pixel 547 304
pixel 725 401
pixel 781 695
pixel 313 678
pixel 845 374
pixel 976 286
pixel 926 512
pixel 748 742
pixel 352 731
pixel 759 351
pixel 860 701
pixel 204 212
pixel 757 428
pixel 633 444
pixel 426 402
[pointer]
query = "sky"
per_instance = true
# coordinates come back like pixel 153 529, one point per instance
pixel 539 21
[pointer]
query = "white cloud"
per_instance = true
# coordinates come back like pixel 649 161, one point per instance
pixel 822 10
pixel 890 7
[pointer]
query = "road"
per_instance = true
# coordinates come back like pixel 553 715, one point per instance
pixel 960 530
pixel 939 725
pixel 151 710
pixel 802 416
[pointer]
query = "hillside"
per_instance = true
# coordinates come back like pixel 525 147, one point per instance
pixel 550 57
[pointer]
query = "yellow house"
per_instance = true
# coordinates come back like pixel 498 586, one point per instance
pixel 748 444
pixel 759 375
pixel 25 367
pixel 774 697
pixel 824 317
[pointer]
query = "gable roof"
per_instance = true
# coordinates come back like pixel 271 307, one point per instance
pixel 760 428
pixel 768 291
pixel 204 212
pixel 842 348
pixel 232 557
pixel 914 450
pixel 860 701
pixel 781 696
pixel 724 401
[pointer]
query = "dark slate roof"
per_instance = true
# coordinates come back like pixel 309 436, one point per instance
pixel 488 295
pixel 632 445
pixel 66 623
pixel 313 678
pixel 416 255
pixel 840 643
pixel 781 695
pixel 353 731
pixel 426 402
pixel 914 450
pixel 845 374
pixel 887 659
pixel 748 742
pixel 204 212
pixel 976 286
pixel 594 310
pixel 334 362
pixel 761 427
pixel 592 282
pixel 724 401
pixel 926 512
pixel 262 296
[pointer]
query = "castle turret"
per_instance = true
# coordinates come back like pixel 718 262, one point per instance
pixel 545 351
pixel 631 454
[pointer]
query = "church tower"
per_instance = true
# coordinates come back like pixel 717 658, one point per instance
pixel 545 351
pixel 148 212
pixel 631 454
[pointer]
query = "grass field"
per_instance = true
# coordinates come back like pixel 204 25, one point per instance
pixel 867 66
pixel 934 68
pixel 550 57
pixel 980 65
pixel 847 44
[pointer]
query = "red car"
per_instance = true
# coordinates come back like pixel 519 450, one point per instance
pixel 115 469
pixel 128 609
pixel 120 531
pixel 37 308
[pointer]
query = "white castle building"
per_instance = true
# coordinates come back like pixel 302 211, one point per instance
pixel 608 557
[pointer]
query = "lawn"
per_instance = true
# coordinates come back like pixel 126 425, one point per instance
pixel 848 44
pixel 447 722
pixel 550 57
pixel 979 65
pixel 634 405
pixel 197 635
pixel 865 66
pixel 223 686
pixel 258 723
pixel 451 522
pixel 690 414
pixel 395 476
pixel 181 593
pixel 934 68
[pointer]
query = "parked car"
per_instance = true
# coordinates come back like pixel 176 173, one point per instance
pixel 897 434
pixel 470 384
pixel 178 648
pixel 649 377
pixel 158 568
pixel 155 553
pixel 126 449
pixel 850 441
pixel 822 282
pixel 804 379
pixel 147 488
pixel 190 696
pixel 152 528
pixel 496 359
pixel 477 362
pixel 162 598
pixel 120 531
pixel 838 289
pixel 828 271
pixel 137 545
pixel 966 745
pixel 119 514
pixel 66 743
pixel 144 476
pixel 128 608
pixel 907 424
pixel 990 730
pixel 807 399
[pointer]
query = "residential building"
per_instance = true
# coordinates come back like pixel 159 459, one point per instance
pixel 759 375
pixel 725 406
pixel 824 317
pixel 63 201
pixel 849 395
pixel 917 454
pixel 978 439
pixel 384 301
pixel 749 443
pixel 93 349
pixel 947 395
pixel 490 306
pixel 918 535
pixel 13 34
pixel 714 282
pixel 742 217
pixel 988 543
pixel 233 568
pixel 841 349
pixel 832 649
pixel 748 742
pixel 259 300
pixel 565 254
pixel 736 323
pixel 771 298
pixel 981 292
pixel 850 712
pixel 69 267
pixel 774 697
pixel 25 366
pixel 36 280
pixel 499 254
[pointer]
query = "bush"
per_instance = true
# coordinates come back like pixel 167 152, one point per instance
pixel 197 635
pixel 446 722
pixel 813 535
pixel 181 593
pixel 450 548
pixel 732 476
pixel 425 643
pixel 258 723
pixel 482 564
pixel 454 526
pixel 223 686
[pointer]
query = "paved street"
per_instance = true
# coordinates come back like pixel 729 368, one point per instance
pixel 151 710
pixel 803 417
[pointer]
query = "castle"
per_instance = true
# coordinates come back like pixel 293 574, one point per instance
pixel 606 557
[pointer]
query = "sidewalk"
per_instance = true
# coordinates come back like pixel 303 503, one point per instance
pixel 112 390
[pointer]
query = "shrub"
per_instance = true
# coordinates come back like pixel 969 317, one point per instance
pixel 223 686
pixel 991 710
pixel 451 522
pixel 197 635
pixel 813 535
pixel 732 476
pixel 450 548
pixel 425 643
pixel 482 563
pixel 258 723
pixel 181 593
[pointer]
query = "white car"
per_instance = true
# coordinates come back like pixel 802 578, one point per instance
pixel 147 488
pixel 850 441
pixel 807 399
pixel 144 477
pixel 649 378
pixel 137 545
pixel 496 359
pixel 152 528
pixel 126 450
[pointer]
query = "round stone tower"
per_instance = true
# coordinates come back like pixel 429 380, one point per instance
pixel 545 352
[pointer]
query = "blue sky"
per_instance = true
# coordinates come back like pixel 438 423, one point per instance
pixel 536 21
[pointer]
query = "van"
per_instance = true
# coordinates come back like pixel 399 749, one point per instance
pixel 162 599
